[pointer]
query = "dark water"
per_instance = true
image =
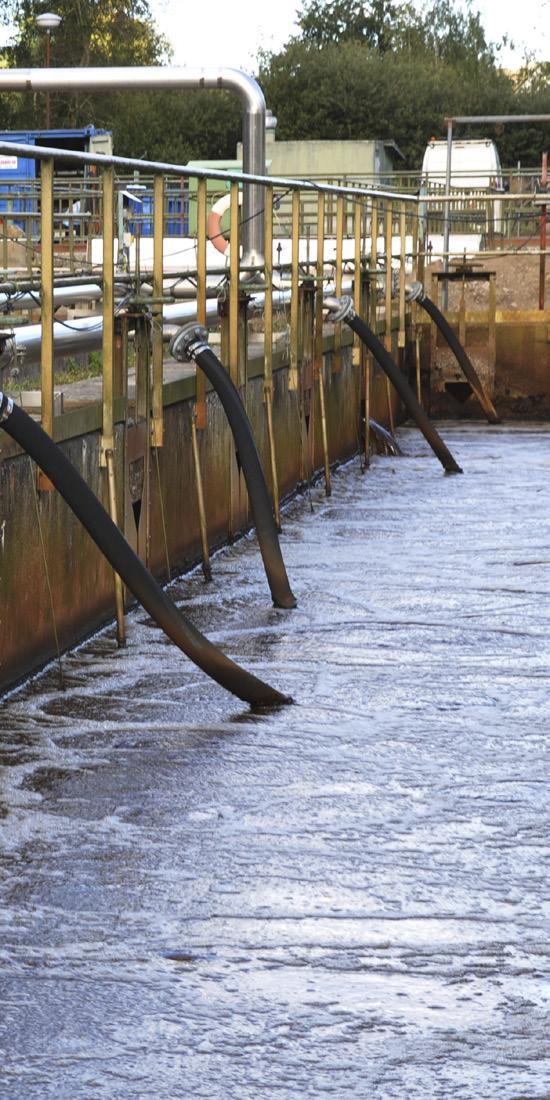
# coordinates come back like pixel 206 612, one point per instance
pixel 345 898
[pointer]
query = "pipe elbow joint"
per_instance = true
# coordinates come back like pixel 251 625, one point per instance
pixel 188 342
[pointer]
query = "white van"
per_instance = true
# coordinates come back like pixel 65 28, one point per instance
pixel 474 164
pixel 475 169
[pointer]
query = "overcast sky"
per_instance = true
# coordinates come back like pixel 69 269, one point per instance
pixel 230 32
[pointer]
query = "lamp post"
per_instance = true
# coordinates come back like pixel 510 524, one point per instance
pixel 48 21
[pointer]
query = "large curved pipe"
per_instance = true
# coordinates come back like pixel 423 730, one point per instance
pixel 86 333
pixel 191 344
pixel 139 580
pixel 341 309
pixel 165 78
pixel 415 293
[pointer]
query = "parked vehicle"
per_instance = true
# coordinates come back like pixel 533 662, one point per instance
pixel 475 173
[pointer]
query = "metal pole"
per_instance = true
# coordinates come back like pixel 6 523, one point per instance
pixel 293 373
pixel 447 215
pixel 318 371
pixel 339 273
pixel 388 308
pixel 46 295
pixel 542 260
pixel 157 423
pixel 206 567
pixel 48 64
pixel 268 351
pixel 200 419
pixel 119 588
pixel 108 343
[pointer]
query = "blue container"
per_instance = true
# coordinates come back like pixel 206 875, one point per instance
pixel 15 171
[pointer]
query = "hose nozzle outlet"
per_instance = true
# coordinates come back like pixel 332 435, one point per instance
pixel 414 292
pixel 339 309
pixel 188 342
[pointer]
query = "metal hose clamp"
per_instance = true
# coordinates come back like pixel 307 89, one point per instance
pixel 6 406
pixel 188 342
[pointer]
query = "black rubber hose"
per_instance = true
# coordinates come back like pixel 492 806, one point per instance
pixel 125 562
pixel 405 392
pixel 461 357
pixel 249 458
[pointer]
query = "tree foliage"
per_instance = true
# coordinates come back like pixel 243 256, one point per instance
pixel 383 69
pixel 441 30
pixel 356 69
pixel 170 126
pixel 92 33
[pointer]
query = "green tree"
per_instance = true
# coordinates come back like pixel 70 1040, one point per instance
pixel 440 29
pixel 171 126
pixel 379 69
pixel 352 92
pixel 377 23
pixel 92 32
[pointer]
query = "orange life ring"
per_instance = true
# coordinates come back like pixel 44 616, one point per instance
pixel 213 225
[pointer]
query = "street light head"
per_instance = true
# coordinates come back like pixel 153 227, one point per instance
pixel 48 21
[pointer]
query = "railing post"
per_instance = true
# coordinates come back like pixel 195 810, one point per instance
pixel 46 292
pixel 268 348
pixel 401 340
pixel 294 295
pixel 119 587
pixel 200 381
pixel 107 439
pixel 368 282
pixel 234 272
pixel 388 305
pixel 339 269
pixel 319 362
pixel 307 410
pixel 357 218
pixel 157 424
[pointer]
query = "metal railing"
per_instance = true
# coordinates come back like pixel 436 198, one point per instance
pixel 77 210
pixel 346 221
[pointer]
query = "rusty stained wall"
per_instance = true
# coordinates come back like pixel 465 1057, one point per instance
pixel 81 580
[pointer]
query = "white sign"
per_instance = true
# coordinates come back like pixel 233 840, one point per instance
pixel 7 163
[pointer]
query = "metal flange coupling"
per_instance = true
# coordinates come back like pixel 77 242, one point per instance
pixel 6 406
pixel 188 342
pixel 414 292
pixel 340 309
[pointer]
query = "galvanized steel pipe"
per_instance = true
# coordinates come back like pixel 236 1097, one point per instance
pixel 166 78
pixel 86 333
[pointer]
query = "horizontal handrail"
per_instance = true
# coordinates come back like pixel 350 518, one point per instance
pixel 39 152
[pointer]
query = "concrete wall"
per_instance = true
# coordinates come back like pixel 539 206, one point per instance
pixel 521 385
pixel 328 159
